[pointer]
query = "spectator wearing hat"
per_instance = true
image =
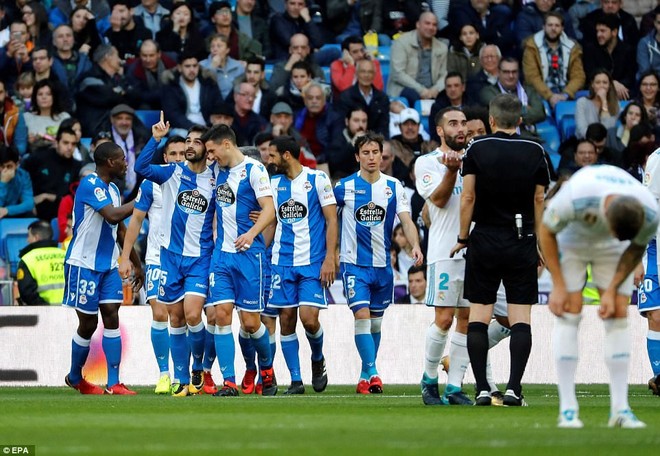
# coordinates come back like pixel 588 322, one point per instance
pixel 144 75
pixel 131 136
pixel 221 114
pixel 410 138
pixel 16 197
pixel 101 89
pixel 281 123
pixel 241 46
pixel 247 123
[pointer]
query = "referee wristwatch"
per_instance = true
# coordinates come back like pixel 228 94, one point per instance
pixel 461 240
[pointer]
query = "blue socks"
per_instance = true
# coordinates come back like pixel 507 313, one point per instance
pixel 376 323
pixel 160 341
pixel 653 348
pixel 316 344
pixel 209 347
pixel 79 353
pixel 196 339
pixel 366 348
pixel 112 349
pixel 225 349
pixel 247 349
pixel 180 355
pixel 290 348
pixel 261 342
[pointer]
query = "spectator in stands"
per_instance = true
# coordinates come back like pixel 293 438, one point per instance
pixel 16 197
pixel 102 88
pixel 283 26
pixel 618 136
pixel 13 131
pixel 42 64
pixel 262 142
pixel 578 11
pixel 81 152
pixel 85 32
pixel 418 62
pixel 399 17
pixel 225 68
pixel 15 56
pixel 317 122
pixel 343 72
pixel 646 23
pixel 151 13
pixel 222 114
pixel 393 166
pixel 188 95
pixel 63 9
pixel 68 64
pixel 410 139
pixel 612 54
pixel 636 154
pixel 492 20
pixel 531 19
pixel 281 123
pixel 40 273
pixel 144 75
pixel 255 74
pixel 35 16
pixel 52 171
pixel 180 35
pixel 247 123
pixel 299 50
pixel 454 94
pixel 131 136
pixel 464 53
pixel 240 46
pixel 365 95
pixel 23 94
pixel 477 122
pixel 629 32
pixel 508 81
pixel 126 32
pixel 600 106
pixel 648 49
pixel 251 24
pixel 552 62
pixel 291 94
pixel 354 18
pixel 44 118
pixel 597 134
pixel 649 97
pixel 489 57
pixel 585 154
pixel 341 153
pixel 416 285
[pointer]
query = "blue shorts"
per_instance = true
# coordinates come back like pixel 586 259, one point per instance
pixel 181 275
pixel 268 310
pixel 648 294
pixel 151 281
pixel 293 286
pixel 237 278
pixel 85 289
pixel 367 287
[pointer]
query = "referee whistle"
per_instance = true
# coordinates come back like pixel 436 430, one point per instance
pixel 519 225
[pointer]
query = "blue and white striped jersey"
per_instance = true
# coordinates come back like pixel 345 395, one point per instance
pixel 150 200
pixel 300 234
pixel 237 192
pixel 368 213
pixel 187 215
pixel 94 242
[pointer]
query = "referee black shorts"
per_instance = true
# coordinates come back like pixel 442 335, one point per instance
pixel 494 255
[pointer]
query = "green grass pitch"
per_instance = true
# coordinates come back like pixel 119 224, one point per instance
pixel 59 421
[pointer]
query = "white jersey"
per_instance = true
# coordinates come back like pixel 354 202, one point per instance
pixel 577 211
pixel 300 233
pixel 445 221
pixel 368 216
pixel 150 200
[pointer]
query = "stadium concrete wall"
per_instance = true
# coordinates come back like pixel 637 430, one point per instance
pixel 36 347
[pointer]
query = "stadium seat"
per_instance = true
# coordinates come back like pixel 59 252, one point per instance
pixel 385 71
pixel 581 93
pixel 623 104
pixel 13 226
pixel 326 74
pixel 268 71
pixel 384 54
pixel 147 117
pixel 423 107
pixel 550 135
pixel 402 100
pixel 13 244
pixel 87 142
pixel 565 118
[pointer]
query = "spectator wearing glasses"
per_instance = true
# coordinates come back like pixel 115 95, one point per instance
pixel 247 123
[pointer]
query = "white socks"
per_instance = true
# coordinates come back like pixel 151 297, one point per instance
pixel 565 348
pixel 459 359
pixel 435 347
pixel 617 360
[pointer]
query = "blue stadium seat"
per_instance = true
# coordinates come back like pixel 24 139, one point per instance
pixel 581 93
pixel 384 53
pixel 268 71
pixel 13 244
pixel 147 117
pixel 87 142
pixel 13 226
pixel 326 74
pixel 550 135
pixel 567 127
pixel 623 104
pixel 565 118
pixel 385 71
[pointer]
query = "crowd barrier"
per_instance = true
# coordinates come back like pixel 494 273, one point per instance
pixel 36 348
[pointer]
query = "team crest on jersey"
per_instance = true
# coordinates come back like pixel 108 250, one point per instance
pixel 291 211
pixel 388 192
pixel 590 216
pixel 224 195
pixel 82 299
pixel 642 298
pixel 307 186
pixel 212 182
pixel 161 291
pixel 243 174
pixel 351 293
pixel 192 202
pixel 150 286
pixel 440 296
pixel 100 194
pixel 370 214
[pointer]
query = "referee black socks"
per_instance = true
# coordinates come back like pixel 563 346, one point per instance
pixel 477 344
pixel 520 347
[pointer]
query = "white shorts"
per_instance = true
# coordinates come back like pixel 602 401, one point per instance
pixel 444 286
pixel 501 309
pixel 604 260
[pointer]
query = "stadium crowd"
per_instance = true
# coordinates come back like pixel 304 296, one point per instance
pixel 75 75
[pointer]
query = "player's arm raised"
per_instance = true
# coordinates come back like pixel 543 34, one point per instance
pixel 440 196
pixel 143 164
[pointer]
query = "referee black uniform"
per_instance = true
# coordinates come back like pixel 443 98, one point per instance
pixel 507 173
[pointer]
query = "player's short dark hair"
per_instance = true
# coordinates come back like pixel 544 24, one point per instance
pixel 414 269
pixel 219 133
pixel 611 21
pixel 368 137
pixel 455 74
pixel 176 139
pixel 625 215
pixel 262 137
pixel 506 109
pixel 105 152
pixel 286 144
pixel 41 229
pixel 442 112
pixel 8 154
pixel 351 39
pixel 477 113
pixel 64 131
pixel 198 129
pixel 596 132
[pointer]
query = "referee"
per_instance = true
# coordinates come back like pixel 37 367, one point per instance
pixel 504 179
